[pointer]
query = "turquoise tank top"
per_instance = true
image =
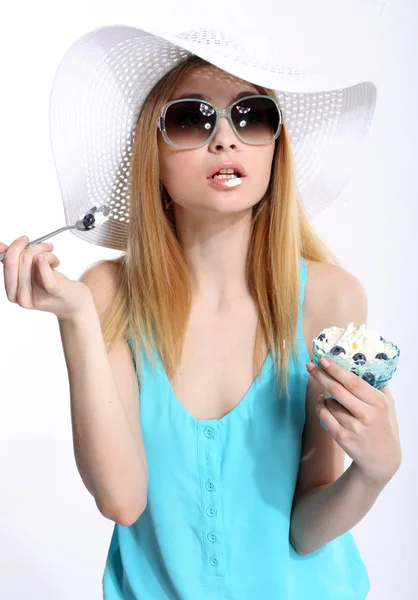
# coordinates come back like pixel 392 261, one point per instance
pixel 220 493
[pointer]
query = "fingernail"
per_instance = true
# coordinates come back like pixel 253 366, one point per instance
pixel 325 362
pixel 309 366
pixel 323 425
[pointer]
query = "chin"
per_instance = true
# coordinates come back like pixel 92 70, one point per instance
pixel 229 205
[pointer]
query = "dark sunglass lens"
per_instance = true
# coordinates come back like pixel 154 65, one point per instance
pixel 256 119
pixel 189 123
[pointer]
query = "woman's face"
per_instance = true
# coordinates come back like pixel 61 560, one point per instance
pixel 185 172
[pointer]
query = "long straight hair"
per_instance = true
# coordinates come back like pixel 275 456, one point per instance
pixel 153 300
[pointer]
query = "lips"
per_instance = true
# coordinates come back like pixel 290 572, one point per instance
pixel 238 168
pixel 223 184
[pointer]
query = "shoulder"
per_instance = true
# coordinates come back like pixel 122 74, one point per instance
pixel 102 279
pixel 334 296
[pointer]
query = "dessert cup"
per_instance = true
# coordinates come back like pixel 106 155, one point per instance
pixel 359 350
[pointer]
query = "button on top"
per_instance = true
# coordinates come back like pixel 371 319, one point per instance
pixel 214 561
pixel 209 485
pixel 209 432
pixel 211 511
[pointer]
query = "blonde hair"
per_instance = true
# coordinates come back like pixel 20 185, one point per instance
pixel 153 298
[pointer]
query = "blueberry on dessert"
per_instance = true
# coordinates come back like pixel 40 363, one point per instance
pixel 369 377
pixel 336 350
pixel 360 358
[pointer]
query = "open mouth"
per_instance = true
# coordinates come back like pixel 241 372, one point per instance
pixel 233 175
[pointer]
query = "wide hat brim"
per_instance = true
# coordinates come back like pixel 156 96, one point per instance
pixel 105 76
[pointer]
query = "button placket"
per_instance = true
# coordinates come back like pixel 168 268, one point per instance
pixel 209 467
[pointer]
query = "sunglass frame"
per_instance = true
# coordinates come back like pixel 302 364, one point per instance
pixel 220 112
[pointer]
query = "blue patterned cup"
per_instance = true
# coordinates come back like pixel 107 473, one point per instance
pixel 377 372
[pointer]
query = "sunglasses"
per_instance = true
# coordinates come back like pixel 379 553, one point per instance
pixel 191 123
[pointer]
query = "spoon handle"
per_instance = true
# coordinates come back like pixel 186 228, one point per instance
pixel 41 239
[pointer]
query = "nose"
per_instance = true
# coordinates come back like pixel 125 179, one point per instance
pixel 224 137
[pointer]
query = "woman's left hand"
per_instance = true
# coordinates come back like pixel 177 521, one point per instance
pixel 363 421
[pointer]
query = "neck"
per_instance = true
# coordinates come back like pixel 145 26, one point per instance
pixel 216 247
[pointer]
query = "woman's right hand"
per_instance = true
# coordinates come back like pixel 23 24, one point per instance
pixel 36 285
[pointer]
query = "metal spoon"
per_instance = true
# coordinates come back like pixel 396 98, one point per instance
pixel 94 217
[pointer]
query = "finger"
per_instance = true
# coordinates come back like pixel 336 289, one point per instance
pixel 353 404
pixel 24 284
pixel 45 270
pixel 52 259
pixel 327 420
pixel 344 417
pixel 12 264
pixel 352 382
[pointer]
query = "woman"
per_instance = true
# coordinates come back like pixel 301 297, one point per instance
pixel 221 481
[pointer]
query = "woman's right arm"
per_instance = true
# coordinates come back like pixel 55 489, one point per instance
pixel 104 394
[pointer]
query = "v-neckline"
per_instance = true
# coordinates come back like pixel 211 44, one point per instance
pixel 268 362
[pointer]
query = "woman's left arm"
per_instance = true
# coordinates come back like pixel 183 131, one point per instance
pixel 363 422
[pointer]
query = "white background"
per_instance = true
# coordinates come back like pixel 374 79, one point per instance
pixel 53 540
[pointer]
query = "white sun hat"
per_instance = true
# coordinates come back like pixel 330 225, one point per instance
pixel 104 78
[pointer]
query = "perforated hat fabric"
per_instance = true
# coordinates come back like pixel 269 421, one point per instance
pixel 105 76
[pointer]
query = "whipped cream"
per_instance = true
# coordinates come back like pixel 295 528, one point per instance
pixel 100 218
pixel 233 181
pixel 357 343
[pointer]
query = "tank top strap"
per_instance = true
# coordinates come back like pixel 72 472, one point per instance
pixel 303 275
pixel 137 359
pixel 131 345
pixel 141 362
